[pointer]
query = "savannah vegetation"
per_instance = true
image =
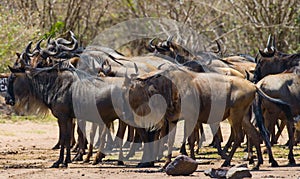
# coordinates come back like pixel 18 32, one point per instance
pixel 240 26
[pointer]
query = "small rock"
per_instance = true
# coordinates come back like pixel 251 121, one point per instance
pixel 238 172
pixel 216 173
pixel 182 165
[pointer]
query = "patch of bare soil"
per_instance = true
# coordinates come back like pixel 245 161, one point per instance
pixel 25 152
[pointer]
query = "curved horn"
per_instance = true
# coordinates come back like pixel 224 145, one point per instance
pixel 27 49
pixel 63 41
pixel 219 47
pixel 38 45
pixel 136 68
pixel 256 58
pixel 159 66
pixel 75 45
pixel 151 44
pixel 169 40
pixel 269 41
pixel 49 41
pixel 46 52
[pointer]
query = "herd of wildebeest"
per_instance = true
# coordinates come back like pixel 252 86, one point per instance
pixel 255 93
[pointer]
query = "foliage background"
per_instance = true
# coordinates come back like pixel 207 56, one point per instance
pixel 241 26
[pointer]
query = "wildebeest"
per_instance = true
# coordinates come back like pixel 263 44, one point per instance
pixel 53 88
pixel 268 74
pixel 232 95
pixel 284 86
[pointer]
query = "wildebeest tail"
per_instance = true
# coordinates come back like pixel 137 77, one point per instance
pixel 273 100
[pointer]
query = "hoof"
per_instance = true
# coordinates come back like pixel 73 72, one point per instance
pixel 256 168
pixel 86 160
pixel 68 161
pixel 56 147
pixel 55 165
pixel 274 164
pixel 64 165
pixel 120 163
pixel 145 165
pixel 161 170
pixel 292 163
pixel 225 164
pixel 78 158
pixel 95 162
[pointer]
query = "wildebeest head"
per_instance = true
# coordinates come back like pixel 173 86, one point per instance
pixel 19 94
pixel 10 95
pixel 171 49
pixel 272 61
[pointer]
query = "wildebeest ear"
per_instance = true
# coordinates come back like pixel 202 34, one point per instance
pixel 18 54
pixel 15 70
pixel 262 53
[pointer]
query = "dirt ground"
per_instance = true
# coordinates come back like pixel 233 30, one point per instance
pixel 25 152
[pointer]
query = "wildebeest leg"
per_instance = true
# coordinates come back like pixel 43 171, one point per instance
pixel 65 126
pixel 290 125
pixel 217 137
pixel 186 132
pixel 62 146
pixel 81 140
pixel 91 145
pixel 235 119
pixel 119 140
pixel 191 141
pixel 270 121
pixel 147 151
pixel 109 145
pixel 57 145
pixel 271 116
pixel 134 145
pixel 183 149
pixel 163 140
pixel 171 139
pixel 228 144
pixel 68 142
pixel 100 155
pixel 249 150
pixel 197 138
pixel 253 138
pixel 73 141
pixel 260 124
pixel 280 129
pixel 130 137
pixel 201 137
